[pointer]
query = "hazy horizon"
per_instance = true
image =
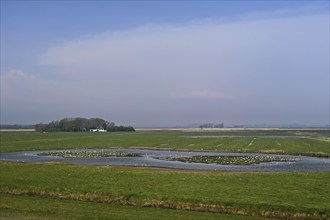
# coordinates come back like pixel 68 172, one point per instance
pixel 165 63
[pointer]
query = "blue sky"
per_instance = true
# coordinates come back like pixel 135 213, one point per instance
pixel 163 63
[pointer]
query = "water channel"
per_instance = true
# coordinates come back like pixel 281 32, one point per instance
pixel 153 158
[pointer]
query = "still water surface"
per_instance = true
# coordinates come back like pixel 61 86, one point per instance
pixel 149 158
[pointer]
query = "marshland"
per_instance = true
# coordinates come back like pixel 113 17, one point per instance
pixel 147 192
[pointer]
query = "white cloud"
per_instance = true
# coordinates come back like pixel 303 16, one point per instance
pixel 233 56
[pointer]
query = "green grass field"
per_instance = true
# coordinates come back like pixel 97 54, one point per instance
pixel 18 141
pixel 65 191
pixel 27 207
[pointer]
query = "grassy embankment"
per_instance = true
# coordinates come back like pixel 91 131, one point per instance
pixel 24 187
pixel 27 207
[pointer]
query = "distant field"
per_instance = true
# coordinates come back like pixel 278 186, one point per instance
pixel 230 129
pixel 316 146
pixel 65 191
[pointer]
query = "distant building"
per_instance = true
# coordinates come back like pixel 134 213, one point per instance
pixel 98 130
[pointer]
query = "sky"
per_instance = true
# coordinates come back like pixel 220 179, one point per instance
pixel 165 63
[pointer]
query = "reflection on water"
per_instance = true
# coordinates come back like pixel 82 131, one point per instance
pixel 149 158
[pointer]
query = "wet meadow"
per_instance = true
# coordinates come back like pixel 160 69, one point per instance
pixel 65 191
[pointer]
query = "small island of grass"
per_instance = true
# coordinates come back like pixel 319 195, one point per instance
pixel 232 160
pixel 87 154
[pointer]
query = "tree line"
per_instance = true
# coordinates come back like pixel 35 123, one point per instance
pixel 80 125
pixel 16 126
pixel 211 125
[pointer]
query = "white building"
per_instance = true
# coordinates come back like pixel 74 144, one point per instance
pixel 98 130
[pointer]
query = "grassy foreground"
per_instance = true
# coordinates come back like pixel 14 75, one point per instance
pixel 64 191
pixel 27 207
pixel 318 146
pixel 280 195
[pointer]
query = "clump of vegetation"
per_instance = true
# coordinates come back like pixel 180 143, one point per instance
pixel 211 125
pixel 120 128
pixel 86 154
pixel 232 160
pixel 80 125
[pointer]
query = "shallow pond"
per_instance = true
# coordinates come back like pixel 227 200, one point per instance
pixel 153 158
